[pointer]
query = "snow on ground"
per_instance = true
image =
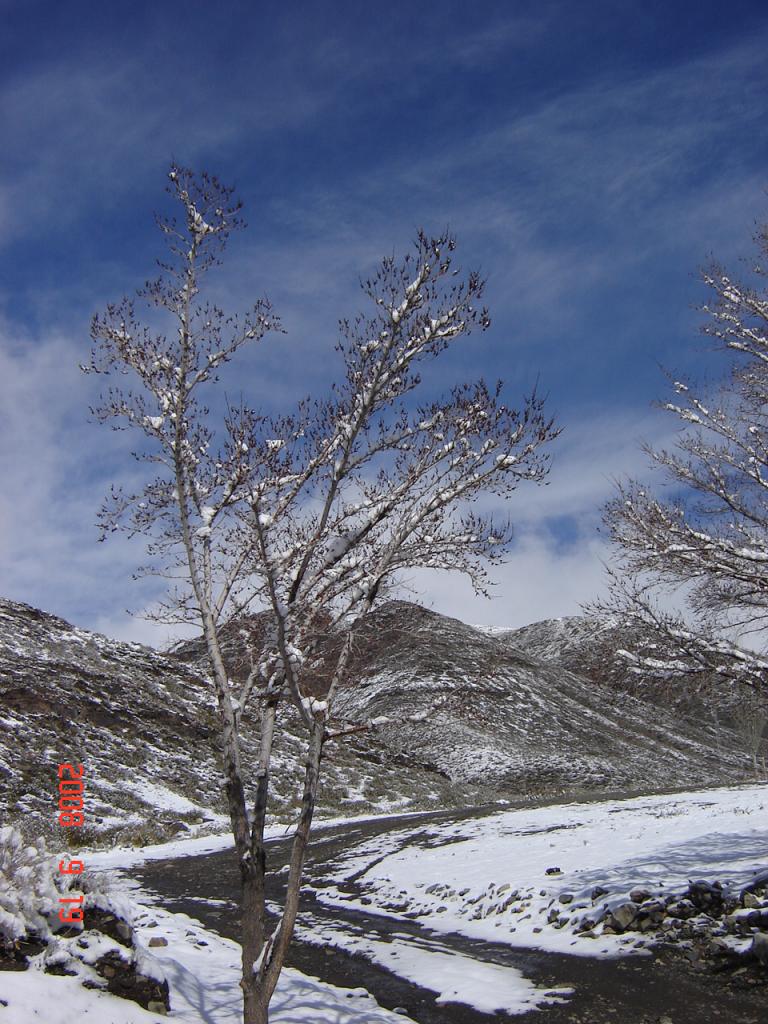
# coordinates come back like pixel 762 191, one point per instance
pixel 30 996
pixel 455 977
pixel 202 970
pixel 164 798
pixel 487 878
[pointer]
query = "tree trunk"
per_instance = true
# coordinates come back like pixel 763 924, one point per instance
pixel 273 962
pixel 254 1010
pixel 253 876
pixel 252 937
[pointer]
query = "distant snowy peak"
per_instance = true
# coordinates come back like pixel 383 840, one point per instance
pixel 557 639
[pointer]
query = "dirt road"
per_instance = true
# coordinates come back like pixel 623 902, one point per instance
pixel 631 990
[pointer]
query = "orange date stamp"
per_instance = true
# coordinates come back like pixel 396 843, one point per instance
pixel 71 814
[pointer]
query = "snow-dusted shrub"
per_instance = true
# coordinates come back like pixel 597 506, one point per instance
pixel 29 896
pixel 101 893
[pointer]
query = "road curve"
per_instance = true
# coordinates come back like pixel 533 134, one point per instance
pixel 632 990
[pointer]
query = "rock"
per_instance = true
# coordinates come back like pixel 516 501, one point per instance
pixel 751 901
pixel 565 897
pixel 598 891
pixel 158 940
pixel 650 915
pixel 100 920
pixel 640 895
pixel 553 871
pixel 705 895
pixel 621 917
pixel 124 981
pixel 154 1006
pixel 759 948
pixel 756 918
pixel 681 909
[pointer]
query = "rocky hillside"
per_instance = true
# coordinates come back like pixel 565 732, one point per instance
pixel 504 723
pixel 588 646
pixel 144 725
pixel 518 721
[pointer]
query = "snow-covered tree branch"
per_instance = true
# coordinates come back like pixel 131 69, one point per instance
pixel 706 540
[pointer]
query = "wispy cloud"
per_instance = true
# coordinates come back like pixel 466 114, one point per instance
pixel 557 561
pixel 55 473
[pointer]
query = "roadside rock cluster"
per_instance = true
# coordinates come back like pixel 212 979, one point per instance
pixel 714 922
pixel 104 953
pixel 709 923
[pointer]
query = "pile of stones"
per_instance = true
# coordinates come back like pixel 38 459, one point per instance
pixel 104 952
pixel 708 916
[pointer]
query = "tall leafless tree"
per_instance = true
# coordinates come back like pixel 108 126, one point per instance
pixel 704 541
pixel 313 515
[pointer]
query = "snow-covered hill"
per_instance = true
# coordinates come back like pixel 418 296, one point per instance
pixel 504 725
pixel 144 725
pixel 590 646
pixel 524 723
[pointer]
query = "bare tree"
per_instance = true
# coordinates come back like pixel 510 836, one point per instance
pixel 704 543
pixel 313 515
pixel 751 718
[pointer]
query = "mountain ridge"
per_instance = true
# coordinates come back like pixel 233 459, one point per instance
pixel 503 725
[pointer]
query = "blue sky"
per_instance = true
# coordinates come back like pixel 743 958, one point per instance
pixel 588 156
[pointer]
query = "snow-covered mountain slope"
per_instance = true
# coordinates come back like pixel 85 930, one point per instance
pixel 144 725
pixel 526 721
pixel 502 725
pixel 589 646
pixel 522 724
pixel 572 641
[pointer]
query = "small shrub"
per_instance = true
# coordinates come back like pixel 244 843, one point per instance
pixel 29 894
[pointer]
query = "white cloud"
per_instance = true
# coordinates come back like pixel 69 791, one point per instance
pixel 545 576
pixel 55 469
pixel 537 582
